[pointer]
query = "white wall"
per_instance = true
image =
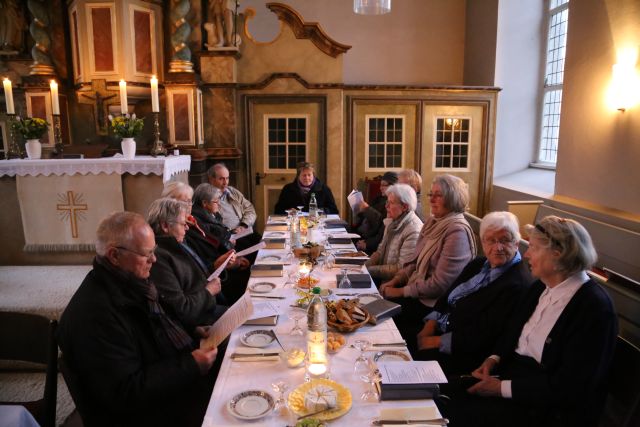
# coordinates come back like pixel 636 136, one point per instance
pixel 419 42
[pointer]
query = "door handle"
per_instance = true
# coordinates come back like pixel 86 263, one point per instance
pixel 260 176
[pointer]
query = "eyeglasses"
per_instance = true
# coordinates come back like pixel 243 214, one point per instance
pixel 434 195
pixel 493 242
pixel 147 256
pixel 215 201
pixel 184 224
pixel 549 236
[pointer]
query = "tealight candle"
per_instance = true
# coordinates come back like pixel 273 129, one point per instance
pixel 317 369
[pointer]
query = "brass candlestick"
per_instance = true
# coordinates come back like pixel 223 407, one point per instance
pixel 14 149
pixel 57 136
pixel 158 148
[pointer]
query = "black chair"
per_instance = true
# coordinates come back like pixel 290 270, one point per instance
pixel 79 398
pixel 622 406
pixel 31 338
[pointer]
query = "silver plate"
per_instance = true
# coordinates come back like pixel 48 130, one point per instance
pixel 251 404
pixel 262 287
pixel 391 356
pixel 258 338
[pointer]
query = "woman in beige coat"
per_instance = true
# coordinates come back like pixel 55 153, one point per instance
pixel 402 227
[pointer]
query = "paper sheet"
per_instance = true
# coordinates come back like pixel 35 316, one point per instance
pixel 354 199
pixel 241 234
pixel 421 372
pixel 235 316
pixel 252 249
pixel 219 269
pixel 263 309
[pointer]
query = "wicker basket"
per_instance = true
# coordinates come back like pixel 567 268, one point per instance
pixel 341 327
pixel 313 252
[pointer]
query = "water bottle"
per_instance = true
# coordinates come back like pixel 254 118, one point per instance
pixel 313 207
pixel 317 359
pixel 345 283
pixel 294 233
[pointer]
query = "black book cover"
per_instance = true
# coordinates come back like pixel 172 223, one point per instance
pixel 339 240
pixel 381 309
pixel 350 260
pixel 407 391
pixel 358 280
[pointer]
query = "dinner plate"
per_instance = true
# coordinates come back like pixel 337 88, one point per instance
pixel 344 401
pixel 271 258
pixel 276 234
pixel 262 287
pixel 257 338
pixel 391 356
pixel 251 404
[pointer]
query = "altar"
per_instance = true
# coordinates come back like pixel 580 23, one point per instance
pixel 50 209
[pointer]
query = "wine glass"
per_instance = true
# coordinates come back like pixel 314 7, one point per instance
pixel 345 283
pixel 361 365
pixel 292 277
pixel 329 261
pixel 372 376
pixel 296 316
pixel 280 385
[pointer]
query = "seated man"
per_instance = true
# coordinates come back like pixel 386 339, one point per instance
pixel 135 364
pixel 237 212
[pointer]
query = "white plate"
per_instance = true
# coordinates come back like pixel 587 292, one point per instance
pixel 391 356
pixel 257 338
pixel 275 234
pixel 270 258
pixel 251 404
pixel 262 287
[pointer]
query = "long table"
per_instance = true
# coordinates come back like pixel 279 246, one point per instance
pixel 236 376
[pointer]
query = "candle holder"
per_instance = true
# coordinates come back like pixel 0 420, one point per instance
pixel 57 136
pixel 14 151
pixel 158 148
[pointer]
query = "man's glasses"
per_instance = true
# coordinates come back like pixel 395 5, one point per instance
pixel 147 256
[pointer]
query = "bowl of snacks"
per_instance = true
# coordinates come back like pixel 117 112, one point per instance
pixel 310 250
pixel 293 357
pixel 346 315
pixel 307 281
pixel 335 342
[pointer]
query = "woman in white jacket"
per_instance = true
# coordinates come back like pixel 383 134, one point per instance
pixel 402 227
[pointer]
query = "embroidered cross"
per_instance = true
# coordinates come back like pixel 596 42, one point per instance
pixel 70 208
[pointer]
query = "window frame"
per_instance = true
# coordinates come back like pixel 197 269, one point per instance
pixel 266 144
pixel 367 142
pixel 434 143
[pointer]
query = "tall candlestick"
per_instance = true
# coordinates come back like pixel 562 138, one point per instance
pixel 155 101
pixel 123 97
pixel 8 96
pixel 55 103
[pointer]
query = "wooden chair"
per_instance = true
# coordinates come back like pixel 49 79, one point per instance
pixel 79 398
pixel 31 338
pixel 622 407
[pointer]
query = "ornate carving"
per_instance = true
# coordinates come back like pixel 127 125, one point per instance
pixel 180 32
pixel 308 30
pixel 39 30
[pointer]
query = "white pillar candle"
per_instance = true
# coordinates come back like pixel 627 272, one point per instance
pixel 123 97
pixel 155 101
pixel 55 103
pixel 8 96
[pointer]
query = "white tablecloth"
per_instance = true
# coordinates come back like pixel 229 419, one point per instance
pixel 236 377
pixel 164 166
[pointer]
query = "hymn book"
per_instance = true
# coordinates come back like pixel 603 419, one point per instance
pixel 235 316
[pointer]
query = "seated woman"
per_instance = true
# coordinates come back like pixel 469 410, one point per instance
pixel 413 178
pixel 298 192
pixel 179 273
pixel 554 353
pixel 370 218
pixel 445 245
pixel 206 210
pixel 467 320
pixel 400 235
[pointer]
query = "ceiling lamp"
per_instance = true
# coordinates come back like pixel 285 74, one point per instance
pixel 371 7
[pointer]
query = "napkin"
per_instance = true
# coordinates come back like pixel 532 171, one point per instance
pixel 409 413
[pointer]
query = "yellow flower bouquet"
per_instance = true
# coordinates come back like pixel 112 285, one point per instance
pixel 31 127
pixel 126 126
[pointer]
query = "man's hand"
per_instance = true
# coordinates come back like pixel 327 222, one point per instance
pixel 488 386
pixel 486 368
pixel 239 229
pixel 214 287
pixel 218 262
pixel 361 245
pixel 204 359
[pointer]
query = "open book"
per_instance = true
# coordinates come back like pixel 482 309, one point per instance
pixel 235 316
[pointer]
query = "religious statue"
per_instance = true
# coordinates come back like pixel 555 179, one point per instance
pixel 222 12
pixel 12 26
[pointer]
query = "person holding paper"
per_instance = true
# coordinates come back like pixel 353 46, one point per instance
pixel 298 192
pixel 402 227
pixel 206 210
pixel 468 318
pixel 445 245
pixel 370 218
pixel 554 354
pixel 135 363
pixel 180 274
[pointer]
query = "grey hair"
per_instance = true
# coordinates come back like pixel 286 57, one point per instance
pixel 117 229
pixel 405 194
pixel 568 237
pixel 205 192
pixel 454 191
pixel 412 178
pixel 164 211
pixel 501 220
pixel 211 172
pixel 175 189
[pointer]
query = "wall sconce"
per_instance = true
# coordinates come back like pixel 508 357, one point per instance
pixel 624 91
pixel 371 7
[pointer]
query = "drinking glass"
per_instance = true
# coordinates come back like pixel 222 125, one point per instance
pixel 371 377
pixel 329 261
pixel 296 316
pixel 362 363
pixel 279 385
pixel 292 277
pixel 345 283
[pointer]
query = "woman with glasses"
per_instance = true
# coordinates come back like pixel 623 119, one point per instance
pixel 445 245
pixel 206 210
pixel 466 321
pixel 402 227
pixel 554 353
pixel 179 273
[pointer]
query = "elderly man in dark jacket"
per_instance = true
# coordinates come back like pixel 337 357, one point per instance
pixel 135 364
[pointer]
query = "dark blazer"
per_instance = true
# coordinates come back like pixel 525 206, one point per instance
pixel 478 319
pixel 291 196
pixel 128 371
pixel 568 386
pixel 181 284
pixel 369 223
